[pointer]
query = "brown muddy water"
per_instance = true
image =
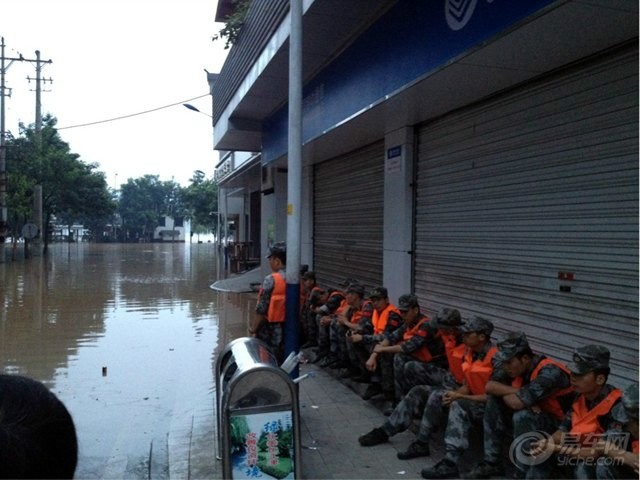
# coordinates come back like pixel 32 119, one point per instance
pixel 126 336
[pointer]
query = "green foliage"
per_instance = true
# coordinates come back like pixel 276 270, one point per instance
pixel 146 199
pixel 281 470
pixel 233 23
pixel 71 189
pixel 200 200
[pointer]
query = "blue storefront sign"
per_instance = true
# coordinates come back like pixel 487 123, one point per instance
pixel 412 40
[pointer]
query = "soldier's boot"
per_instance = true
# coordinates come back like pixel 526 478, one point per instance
pixel 416 449
pixel 445 468
pixel 486 470
pixel 374 437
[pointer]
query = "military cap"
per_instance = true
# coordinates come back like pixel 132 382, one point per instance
pixel 512 344
pixel 447 318
pixel 478 324
pixel 347 282
pixel 630 400
pixel 278 251
pixel 356 288
pixel 407 302
pixel 379 292
pixel 589 358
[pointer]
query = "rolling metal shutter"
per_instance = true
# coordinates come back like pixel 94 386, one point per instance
pixel 348 217
pixel 527 211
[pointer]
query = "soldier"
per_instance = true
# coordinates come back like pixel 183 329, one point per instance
pixel 271 307
pixel 307 315
pixel 386 318
pixel 596 415
pixel 416 339
pixel 539 394
pixel 356 318
pixel 330 304
pixel 466 392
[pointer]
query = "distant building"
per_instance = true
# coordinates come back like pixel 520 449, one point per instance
pixel 171 229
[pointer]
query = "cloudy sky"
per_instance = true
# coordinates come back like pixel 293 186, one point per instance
pixel 118 58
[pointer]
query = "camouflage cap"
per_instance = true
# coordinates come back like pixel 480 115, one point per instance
pixel 347 282
pixel 478 324
pixel 407 302
pixel 589 358
pixel 309 276
pixel 379 292
pixel 630 401
pixel 512 344
pixel 447 318
pixel 278 251
pixel 356 288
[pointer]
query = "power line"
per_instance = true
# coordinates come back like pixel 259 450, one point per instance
pixel 132 114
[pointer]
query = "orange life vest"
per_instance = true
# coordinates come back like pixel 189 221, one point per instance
pixel 357 314
pixel 423 353
pixel 455 353
pixel 635 446
pixel 277 306
pixel 584 421
pixel 549 404
pixel 478 372
pixel 380 319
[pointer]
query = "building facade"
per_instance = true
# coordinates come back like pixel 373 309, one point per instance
pixel 482 154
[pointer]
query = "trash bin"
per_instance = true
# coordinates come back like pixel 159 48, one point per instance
pixel 257 413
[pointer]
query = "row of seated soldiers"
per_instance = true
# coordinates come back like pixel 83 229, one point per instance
pixel 557 419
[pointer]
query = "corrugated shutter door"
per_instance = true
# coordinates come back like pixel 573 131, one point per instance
pixel 348 217
pixel 527 211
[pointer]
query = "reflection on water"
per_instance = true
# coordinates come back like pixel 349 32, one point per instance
pixel 126 336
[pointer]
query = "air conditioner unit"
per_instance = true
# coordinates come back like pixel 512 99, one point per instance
pixel 267 184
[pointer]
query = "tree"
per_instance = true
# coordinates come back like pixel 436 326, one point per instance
pixel 144 200
pixel 200 199
pixel 71 189
pixel 233 23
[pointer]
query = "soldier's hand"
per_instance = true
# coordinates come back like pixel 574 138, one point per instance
pixel 356 338
pixel 372 363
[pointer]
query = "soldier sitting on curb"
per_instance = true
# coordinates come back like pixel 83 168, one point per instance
pixel 464 396
pixel 539 394
pixel 386 318
pixel 597 414
pixel 416 339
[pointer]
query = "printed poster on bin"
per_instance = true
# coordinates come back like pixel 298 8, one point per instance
pixel 262 446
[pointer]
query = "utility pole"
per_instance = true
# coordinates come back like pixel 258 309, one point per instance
pixel 3 154
pixel 37 191
pixel 3 134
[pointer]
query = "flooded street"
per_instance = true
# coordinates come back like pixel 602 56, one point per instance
pixel 126 336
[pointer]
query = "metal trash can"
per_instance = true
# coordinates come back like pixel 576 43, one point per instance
pixel 257 414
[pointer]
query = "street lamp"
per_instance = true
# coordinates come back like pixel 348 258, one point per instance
pixel 195 109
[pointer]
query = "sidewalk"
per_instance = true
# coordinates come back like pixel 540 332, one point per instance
pixel 333 416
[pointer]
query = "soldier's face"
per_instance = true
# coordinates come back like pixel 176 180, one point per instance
pixel 409 315
pixel 471 339
pixel 379 303
pixel 586 383
pixel 515 366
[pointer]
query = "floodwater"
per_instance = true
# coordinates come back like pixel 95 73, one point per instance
pixel 126 336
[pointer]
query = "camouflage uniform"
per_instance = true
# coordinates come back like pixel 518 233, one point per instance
pixel 339 331
pixel 360 352
pixel 498 417
pixel 408 371
pixel 270 333
pixel 585 360
pixel 463 415
pixel 332 304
